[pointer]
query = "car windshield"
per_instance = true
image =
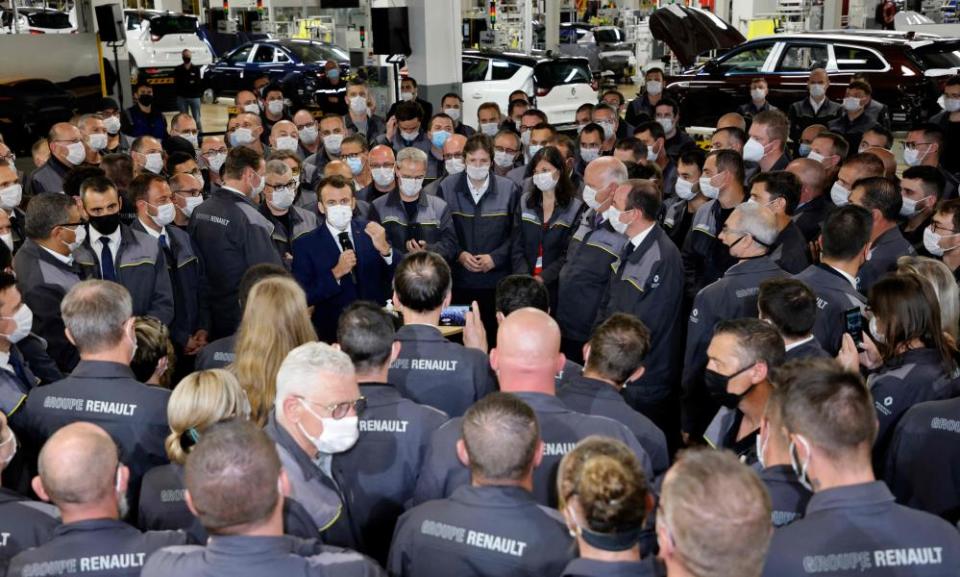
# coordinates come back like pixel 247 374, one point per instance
pixel 608 35
pixel 307 52
pixel 550 74
pixel 56 20
pixel 163 25
pixel 939 56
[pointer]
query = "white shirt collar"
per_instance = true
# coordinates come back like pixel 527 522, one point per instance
pixel 67 260
pixel 95 237
pixel 789 348
pixel 478 192
pixel 635 241
pixel 154 233
pixel 816 105
pixel 850 279
pixel 336 233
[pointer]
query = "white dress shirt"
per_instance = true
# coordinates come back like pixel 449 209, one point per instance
pixel 97 246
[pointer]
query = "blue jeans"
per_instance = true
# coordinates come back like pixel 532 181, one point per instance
pixel 191 105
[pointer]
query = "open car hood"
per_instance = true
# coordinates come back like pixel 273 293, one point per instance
pixel 690 32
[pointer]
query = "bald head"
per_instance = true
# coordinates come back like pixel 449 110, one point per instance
pixel 811 132
pixel 78 465
pixel 381 154
pixel 283 128
pixel 339 168
pixel 885 156
pixel 527 356
pixel 454 144
pixel 732 120
pixel 603 174
pixel 812 175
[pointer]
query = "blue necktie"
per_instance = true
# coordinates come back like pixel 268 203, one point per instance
pixel 107 270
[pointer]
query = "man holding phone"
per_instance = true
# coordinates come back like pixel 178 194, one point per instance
pixel 844 243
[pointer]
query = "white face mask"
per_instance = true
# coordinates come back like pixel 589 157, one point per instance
pixel 383 176
pixel 851 104
pixel 753 151
pixel 309 134
pixel 913 156
pixel 10 196
pixel 800 468
pixel 590 197
pixel 931 241
pixel 909 207
pixel 7 239
pixel 951 104
pixel 112 124
pixel 283 198
pixel 216 161
pixel 153 162
pixel 652 154
pixel 545 181
pixel 453 113
pixel 338 435
pixel 258 188
pixel 589 154
pixel 406 96
pixel 612 214
pixel 838 194
pixel 275 107
pixel 758 94
pixel 11 438
pixel 608 130
pixel 165 214
pixel 76 153
pixel 252 108
pixel 410 187
pixel 761 448
pixel 816 156
pixel 332 142
pixel 654 87
pixel 503 159
pixel 817 90
pixel 666 123
pixel 358 105
pixel 287 143
pixel 874 329
pixel 98 141
pixel 80 235
pixel 708 189
pixel 192 139
pixel 241 137
pixel 478 172
pixel 339 216
pixel 190 203
pixel 684 189
pixel 489 128
pixel 409 136
pixel 454 165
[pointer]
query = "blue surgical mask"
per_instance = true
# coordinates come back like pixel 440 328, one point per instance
pixel 804 149
pixel 439 137
pixel 356 165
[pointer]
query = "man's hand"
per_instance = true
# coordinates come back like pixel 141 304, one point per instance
pixel 474 334
pixel 469 262
pixel 378 235
pixel 484 262
pixel 392 127
pixel 348 260
pixel 416 245
pixel 196 342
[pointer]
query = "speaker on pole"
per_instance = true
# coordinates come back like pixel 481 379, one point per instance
pixel 109 23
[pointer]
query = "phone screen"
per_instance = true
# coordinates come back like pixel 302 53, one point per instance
pixel 853 324
pixel 454 316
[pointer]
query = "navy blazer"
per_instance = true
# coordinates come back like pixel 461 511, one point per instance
pixel 314 256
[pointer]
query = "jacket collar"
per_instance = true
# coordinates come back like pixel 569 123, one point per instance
pixel 103 370
pixel 419 333
pixel 592 387
pixel 862 495
pixel 380 394
pixel 92 525
pixel 754 265
pixel 543 403
pixel 487 496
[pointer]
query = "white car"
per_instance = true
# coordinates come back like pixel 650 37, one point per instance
pixel 47 21
pixel 156 40
pixel 558 85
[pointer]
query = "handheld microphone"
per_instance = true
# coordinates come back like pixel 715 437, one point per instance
pixel 346 245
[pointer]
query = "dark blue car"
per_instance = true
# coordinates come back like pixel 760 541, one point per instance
pixel 297 65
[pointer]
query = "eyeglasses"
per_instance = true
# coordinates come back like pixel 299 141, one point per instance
pixel 289 184
pixel 937 227
pixel 912 145
pixel 507 150
pixel 215 151
pixel 341 410
pixel 71 224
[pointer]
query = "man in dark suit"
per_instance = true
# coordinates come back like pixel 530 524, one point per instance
pixel 343 260
pixel 815 108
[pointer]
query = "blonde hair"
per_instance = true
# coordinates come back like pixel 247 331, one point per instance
pixel 275 321
pixel 200 400
pixel 153 343
pixel 944 285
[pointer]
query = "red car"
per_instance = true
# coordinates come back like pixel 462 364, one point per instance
pixel 906 71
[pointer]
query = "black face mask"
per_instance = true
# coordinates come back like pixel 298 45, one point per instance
pixel 186 60
pixel 106 224
pixel 145 99
pixel 717 386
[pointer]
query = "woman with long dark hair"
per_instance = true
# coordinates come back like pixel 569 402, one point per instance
pixel 549 213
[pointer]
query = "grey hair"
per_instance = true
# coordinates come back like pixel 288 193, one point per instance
pixel 411 154
pixel 614 171
pixel 944 285
pixel 298 372
pixel 278 167
pixel 95 312
pixel 47 211
pixel 85 117
pixel 759 222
